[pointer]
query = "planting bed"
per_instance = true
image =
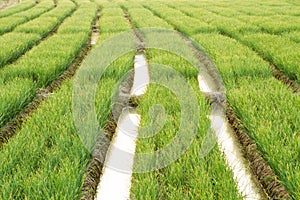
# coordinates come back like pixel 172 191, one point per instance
pixel 252 46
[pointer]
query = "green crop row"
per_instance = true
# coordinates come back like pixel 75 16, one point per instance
pixel 274 48
pixel 282 52
pixel 113 24
pixel 228 20
pixel 47 22
pixel 45 62
pixel 81 21
pixel 273 24
pixel 13 45
pixel 272 19
pixel 238 8
pixel 266 8
pixel 106 4
pixel 9 23
pixel 221 10
pixel 111 12
pixel 25 5
pixel 279 50
pixel 144 18
pixel 50 160
pixel 224 24
pixel 131 5
pixel 180 21
pixel 113 20
pixel 63 9
pixel 41 26
pixel 263 110
pixel 13 96
pixel 25 36
pixel 47 160
pixel 191 176
pixel 48 60
pixel 267 108
pixel 294 36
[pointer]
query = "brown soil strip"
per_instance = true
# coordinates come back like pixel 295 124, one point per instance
pixel 95 33
pixel 138 34
pixel 258 166
pixel 12 127
pixel 283 78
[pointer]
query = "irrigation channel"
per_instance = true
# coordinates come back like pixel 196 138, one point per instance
pixel 228 144
pixel 115 183
pixel 124 140
pixel 125 135
pixel 254 178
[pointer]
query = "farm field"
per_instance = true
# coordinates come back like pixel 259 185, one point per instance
pixel 247 53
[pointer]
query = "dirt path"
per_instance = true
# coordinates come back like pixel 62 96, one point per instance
pixel 4 4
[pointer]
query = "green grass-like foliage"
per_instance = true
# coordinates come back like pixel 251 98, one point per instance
pixel 295 36
pixel 191 176
pixel 9 23
pixel 144 18
pixel 281 51
pixel 46 159
pixel 27 35
pixel 267 108
pixel 45 62
pixel 41 26
pixel 179 20
pixel 114 24
pixel 14 44
pixel 25 5
pixel 55 167
pixel 14 95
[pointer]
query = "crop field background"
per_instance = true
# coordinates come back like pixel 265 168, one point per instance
pixel 255 45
